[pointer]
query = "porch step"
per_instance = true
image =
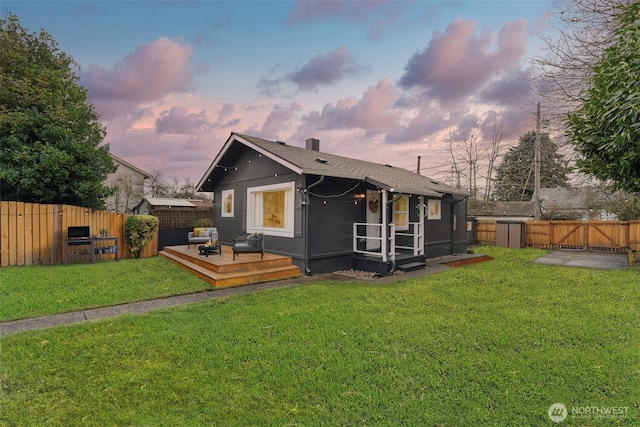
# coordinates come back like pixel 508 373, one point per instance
pixel 412 266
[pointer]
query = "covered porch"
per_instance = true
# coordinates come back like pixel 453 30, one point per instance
pixel 380 239
pixel 221 270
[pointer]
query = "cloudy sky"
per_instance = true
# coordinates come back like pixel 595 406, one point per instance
pixel 384 81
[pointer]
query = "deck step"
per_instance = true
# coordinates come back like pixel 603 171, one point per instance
pixel 264 272
pixel 412 266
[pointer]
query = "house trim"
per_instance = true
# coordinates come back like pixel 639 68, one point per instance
pixel 235 137
pixel 289 209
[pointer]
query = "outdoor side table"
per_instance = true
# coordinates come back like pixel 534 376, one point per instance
pixel 209 250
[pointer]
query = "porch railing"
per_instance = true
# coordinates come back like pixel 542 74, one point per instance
pixel 362 238
pixel 363 235
pixel 416 236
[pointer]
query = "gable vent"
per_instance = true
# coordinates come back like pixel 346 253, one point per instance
pixel 321 160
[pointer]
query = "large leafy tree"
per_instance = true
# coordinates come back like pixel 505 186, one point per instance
pixel 50 138
pixel 515 175
pixel 605 129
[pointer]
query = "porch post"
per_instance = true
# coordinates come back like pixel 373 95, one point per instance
pixel 421 236
pixel 385 226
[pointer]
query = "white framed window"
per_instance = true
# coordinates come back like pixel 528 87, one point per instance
pixel 270 209
pixel 401 213
pixel 434 209
pixel 227 203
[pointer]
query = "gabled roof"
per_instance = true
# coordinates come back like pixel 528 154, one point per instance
pixel 310 162
pixel 503 209
pixel 117 159
pixel 575 198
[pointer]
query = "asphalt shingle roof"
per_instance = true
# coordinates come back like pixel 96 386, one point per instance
pixel 320 163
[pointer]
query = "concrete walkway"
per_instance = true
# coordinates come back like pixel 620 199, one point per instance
pixel 600 260
pixel 140 307
pixel 566 258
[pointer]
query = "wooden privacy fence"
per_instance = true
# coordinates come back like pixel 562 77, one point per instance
pixel 593 235
pixel 32 234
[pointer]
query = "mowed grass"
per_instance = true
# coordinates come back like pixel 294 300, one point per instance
pixel 488 344
pixel 42 290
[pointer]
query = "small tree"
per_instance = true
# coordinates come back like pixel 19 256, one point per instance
pixel 126 191
pixel 203 223
pixel 139 230
pixel 625 206
pixel 157 186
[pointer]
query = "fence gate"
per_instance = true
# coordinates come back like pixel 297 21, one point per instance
pixel 618 236
pixel 568 234
pixel 610 236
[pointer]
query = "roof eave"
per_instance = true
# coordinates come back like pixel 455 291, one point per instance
pixel 239 138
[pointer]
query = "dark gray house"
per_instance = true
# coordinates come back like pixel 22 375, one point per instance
pixel 329 212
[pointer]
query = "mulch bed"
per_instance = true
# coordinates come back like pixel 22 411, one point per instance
pixel 463 262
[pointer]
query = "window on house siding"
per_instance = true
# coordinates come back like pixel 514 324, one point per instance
pixel 434 209
pixel 401 213
pixel 270 209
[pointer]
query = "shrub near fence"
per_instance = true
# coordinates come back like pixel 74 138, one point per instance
pixel 33 234
pixel 595 235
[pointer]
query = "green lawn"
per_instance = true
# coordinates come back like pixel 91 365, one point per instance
pixel 494 343
pixel 42 290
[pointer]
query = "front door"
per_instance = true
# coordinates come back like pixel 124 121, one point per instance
pixel 373 216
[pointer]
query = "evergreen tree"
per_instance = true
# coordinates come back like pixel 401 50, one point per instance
pixel 515 175
pixel 50 137
pixel 604 130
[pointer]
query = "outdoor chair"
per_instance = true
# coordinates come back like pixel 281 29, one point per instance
pixel 202 235
pixel 253 243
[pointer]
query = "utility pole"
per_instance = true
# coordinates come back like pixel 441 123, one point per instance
pixel 536 188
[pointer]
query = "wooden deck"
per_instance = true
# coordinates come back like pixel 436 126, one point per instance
pixel 221 271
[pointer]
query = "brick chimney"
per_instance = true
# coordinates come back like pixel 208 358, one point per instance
pixel 313 144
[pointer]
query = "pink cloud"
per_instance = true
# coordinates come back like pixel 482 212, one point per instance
pixel 373 111
pixel 150 72
pixel 320 70
pixel 458 62
pixel 178 121
pixel 508 90
pixel 426 123
pixel 326 69
pixel 280 118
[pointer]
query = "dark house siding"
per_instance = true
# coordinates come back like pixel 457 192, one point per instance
pixel 246 169
pixel 460 232
pixel 442 237
pixel 331 221
pixel 323 219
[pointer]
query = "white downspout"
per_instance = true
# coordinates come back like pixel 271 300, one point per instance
pixel 421 237
pixel 385 227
